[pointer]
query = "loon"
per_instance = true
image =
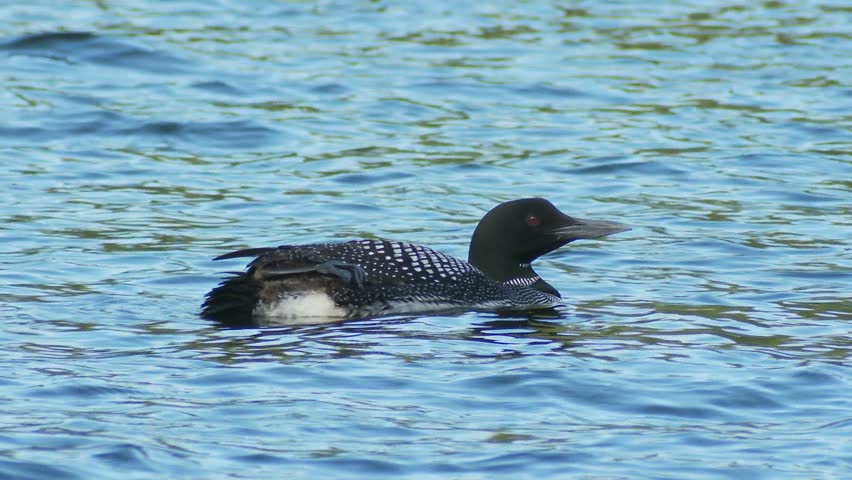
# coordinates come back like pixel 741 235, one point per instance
pixel 370 278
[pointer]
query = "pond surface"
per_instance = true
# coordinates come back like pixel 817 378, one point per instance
pixel 142 138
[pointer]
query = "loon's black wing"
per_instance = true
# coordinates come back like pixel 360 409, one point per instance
pixel 354 273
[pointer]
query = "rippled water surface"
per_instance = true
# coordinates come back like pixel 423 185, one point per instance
pixel 142 138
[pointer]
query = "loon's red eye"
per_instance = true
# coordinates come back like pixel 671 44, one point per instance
pixel 533 221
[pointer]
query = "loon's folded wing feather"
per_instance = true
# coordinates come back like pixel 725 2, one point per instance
pixel 247 252
pixel 278 270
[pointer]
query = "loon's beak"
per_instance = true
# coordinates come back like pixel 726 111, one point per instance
pixel 579 228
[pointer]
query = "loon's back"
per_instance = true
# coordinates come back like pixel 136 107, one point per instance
pixel 361 278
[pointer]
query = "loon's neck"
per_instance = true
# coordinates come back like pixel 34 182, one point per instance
pixel 545 287
pixel 524 270
pixel 517 274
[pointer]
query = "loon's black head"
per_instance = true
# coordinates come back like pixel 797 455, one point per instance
pixel 513 234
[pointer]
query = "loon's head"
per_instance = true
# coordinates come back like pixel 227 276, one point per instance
pixel 513 234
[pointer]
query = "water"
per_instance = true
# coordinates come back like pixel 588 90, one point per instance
pixel 143 138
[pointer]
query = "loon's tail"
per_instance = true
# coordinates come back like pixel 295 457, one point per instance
pixel 233 301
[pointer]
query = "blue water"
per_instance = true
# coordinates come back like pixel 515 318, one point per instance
pixel 142 138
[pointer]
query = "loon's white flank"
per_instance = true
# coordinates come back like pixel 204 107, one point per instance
pixel 301 304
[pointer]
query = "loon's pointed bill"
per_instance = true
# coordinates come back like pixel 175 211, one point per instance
pixel 369 278
pixel 582 228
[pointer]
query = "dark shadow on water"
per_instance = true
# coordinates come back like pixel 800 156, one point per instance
pixel 86 47
pixel 510 330
pixel 506 316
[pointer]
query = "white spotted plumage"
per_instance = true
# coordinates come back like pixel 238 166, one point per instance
pixel 401 277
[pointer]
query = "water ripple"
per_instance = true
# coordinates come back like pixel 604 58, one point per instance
pixel 87 47
pixel 144 138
